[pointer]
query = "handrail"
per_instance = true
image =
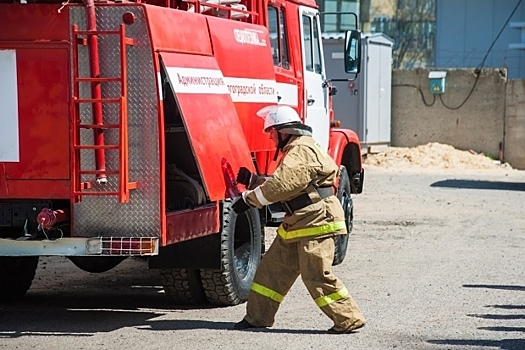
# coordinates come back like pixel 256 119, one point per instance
pixel 198 3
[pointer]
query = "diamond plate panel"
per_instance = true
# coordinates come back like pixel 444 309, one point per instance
pixel 104 215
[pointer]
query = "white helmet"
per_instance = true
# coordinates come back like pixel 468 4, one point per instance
pixel 278 115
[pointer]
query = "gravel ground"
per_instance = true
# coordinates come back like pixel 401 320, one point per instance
pixel 435 262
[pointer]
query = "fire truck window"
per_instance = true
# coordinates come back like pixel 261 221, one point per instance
pixel 307 43
pixel 278 41
pixel 274 34
pixel 316 47
pixel 284 41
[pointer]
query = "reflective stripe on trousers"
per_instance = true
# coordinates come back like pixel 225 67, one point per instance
pixel 311 231
pixel 267 292
pixel 332 298
pixel 321 301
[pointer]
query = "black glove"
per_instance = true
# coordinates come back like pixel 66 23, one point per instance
pixel 240 206
pixel 243 176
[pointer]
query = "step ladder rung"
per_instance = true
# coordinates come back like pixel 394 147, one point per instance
pixel 80 147
pixel 97 126
pixel 95 32
pixel 98 172
pixel 95 80
pixel 131 186
pixel 95 193
pixel 83 41
pixel 97 100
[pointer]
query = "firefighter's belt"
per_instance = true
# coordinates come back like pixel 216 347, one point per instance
pixel 304 200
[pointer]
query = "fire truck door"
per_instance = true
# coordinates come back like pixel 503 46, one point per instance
pixel 316 94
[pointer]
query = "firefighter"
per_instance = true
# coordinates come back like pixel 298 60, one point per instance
pixel 303 182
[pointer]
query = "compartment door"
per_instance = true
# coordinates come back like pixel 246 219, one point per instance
pixel 210 118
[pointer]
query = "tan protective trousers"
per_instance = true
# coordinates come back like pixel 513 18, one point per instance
pixel 280 267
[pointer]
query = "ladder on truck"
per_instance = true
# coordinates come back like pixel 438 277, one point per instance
pixel 79 188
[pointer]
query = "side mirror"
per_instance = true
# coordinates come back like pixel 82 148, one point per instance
pixel 352 51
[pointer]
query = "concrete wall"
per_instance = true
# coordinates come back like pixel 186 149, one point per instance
pixel 515 124
pixel 479 124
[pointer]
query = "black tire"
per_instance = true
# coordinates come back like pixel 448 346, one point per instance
pixel 241 254
pixel 344 195
pixel 16 275
pixel 183 286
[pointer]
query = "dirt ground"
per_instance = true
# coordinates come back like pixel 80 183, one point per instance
pixel 433 155
pixel 436 261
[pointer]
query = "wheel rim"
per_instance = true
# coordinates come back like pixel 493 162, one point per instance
pixel 346 203
pixel 243 246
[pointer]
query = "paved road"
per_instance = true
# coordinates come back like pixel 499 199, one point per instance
pixel 436 262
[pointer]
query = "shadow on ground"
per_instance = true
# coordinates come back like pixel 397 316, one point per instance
pixel 199 324
pixel 480 185
pixel 84 316
pixel 87 322
pixel 505 344
pixel 496 286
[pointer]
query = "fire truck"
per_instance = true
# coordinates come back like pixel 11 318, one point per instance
pixel 123 126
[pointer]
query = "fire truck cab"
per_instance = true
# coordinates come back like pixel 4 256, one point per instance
pixel 123 126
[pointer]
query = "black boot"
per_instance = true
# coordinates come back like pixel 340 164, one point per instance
pixel 243 325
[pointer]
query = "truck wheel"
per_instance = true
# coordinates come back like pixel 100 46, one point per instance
pixel 16 275
pixel 183 286
pixel 344 195
pixel 241 254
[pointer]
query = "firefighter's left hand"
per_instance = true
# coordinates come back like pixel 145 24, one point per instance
pixel 240 206
pixel 244 176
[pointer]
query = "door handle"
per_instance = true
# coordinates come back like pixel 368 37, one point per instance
pixel 310 101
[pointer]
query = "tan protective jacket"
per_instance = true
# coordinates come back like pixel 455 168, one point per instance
pixel 303 167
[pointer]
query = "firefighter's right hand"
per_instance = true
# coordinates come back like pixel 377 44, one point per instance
pixel 240 206
pixel 243 176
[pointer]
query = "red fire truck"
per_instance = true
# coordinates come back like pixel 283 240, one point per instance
pixel 123 125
